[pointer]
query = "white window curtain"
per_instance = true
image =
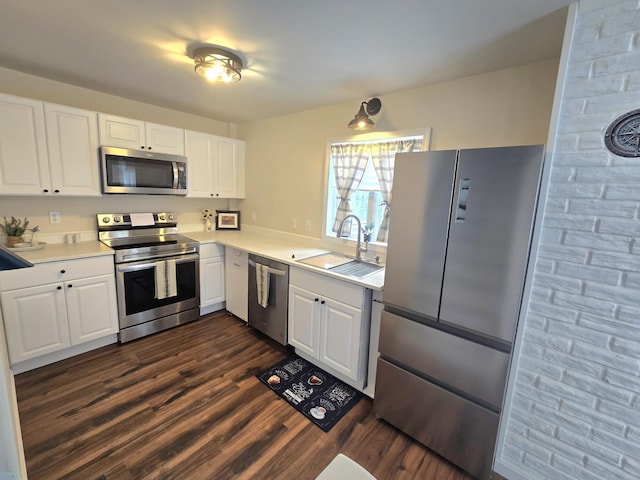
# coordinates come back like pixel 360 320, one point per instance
pixel 349 162
pixel 384 156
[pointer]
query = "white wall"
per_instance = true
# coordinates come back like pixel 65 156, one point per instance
pixel 573 400
pixel 286 155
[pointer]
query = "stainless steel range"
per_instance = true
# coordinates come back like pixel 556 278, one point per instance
pixel 157 274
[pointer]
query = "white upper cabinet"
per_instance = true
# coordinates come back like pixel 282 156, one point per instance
pixel 47 149
pixel 162 138
pixel 216 166
pixel 199 151
pixel 138 135
pixel 228 168
pixel 24 166
pixel 72 141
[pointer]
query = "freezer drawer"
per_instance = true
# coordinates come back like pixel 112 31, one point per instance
pixel 475 369
pixel 451 426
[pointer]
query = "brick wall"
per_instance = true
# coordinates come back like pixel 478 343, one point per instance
pixel 573 402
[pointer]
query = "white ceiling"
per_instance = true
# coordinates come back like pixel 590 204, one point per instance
pixel 299 54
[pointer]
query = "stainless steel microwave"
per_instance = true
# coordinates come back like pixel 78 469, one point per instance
pixel 134 171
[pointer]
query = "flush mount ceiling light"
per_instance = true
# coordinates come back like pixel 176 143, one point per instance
pixel 362 121
pixel 217 64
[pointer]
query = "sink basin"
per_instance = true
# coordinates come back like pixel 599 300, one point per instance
pixel 343 264
pixel 357 268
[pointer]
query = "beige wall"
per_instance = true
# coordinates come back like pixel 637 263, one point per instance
pixel 286 156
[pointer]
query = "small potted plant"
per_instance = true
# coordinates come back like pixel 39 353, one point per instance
pixel 15 228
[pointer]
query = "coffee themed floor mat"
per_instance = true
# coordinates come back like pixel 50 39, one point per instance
pixel 319 396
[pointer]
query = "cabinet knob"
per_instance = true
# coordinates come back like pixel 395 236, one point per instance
pixel 69 286
pixel 59 287
pixel 63 271
pixel 316 299
pixel 322 302
pixel 217 194
pixel 56 191
pixel 211 194
pixel 46 190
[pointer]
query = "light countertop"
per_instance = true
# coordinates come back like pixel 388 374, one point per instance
pixel 63 251
pixel 281 249
pixel 285 250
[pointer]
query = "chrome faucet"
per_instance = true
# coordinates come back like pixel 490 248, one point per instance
pixel 359 249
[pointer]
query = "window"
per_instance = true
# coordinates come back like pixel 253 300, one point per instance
pixel 359 183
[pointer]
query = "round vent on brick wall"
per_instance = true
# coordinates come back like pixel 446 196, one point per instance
pixel 623 135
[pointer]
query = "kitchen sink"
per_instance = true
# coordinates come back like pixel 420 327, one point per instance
pixel 343 264
pixel 357 268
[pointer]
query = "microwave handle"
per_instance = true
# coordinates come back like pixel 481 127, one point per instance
pixel 176 176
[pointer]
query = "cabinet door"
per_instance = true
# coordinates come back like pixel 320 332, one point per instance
pixel 237 282
pixel 229 168
pixel 35 321
pixel 304 307
pixel 24 167
pixel 91 308
pixel 211 281
pixel 121 132
pixel 165 139
pixel 72 141
pixel 199 151
pixel 340 344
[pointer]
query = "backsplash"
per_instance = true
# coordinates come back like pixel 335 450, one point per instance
pixel 573 403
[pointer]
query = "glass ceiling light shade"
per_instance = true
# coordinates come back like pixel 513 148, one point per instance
pixel 362 121
pixel 217 64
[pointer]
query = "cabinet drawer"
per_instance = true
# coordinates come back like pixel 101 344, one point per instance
pixel 209 250
pixel 52 272
pixel 235 253
pixel 344 292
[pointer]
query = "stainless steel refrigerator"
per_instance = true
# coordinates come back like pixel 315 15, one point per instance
pixel 459 240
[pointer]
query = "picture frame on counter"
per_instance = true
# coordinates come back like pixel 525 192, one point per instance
pixel 227 220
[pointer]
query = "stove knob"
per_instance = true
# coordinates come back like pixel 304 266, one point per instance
pixel 116 219
pixel 161 218
pixel 105 219
pixel 171 217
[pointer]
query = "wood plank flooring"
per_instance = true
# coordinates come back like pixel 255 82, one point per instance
pixel 185 404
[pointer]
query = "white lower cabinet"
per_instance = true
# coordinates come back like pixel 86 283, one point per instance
pixel 329 324
pixel 212 278
pixel 72 302
pixel 237 282
pixel 35 321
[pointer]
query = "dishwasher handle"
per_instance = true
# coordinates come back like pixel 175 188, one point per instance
pixel 275 271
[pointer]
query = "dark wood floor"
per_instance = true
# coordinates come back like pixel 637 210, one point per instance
pixel 185 404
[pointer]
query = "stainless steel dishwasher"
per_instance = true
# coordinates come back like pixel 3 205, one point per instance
pixel 272 319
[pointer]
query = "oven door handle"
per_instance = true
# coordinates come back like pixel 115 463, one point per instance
pixel 129 267
pixel 160 255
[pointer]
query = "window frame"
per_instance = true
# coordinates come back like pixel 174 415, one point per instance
pixel 371 137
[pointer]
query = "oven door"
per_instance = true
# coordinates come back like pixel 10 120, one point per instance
pixel 136 287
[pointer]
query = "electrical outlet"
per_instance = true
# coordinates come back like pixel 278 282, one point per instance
pixel 253 216
pixel 54 217
pixel 294 222
pixel 307 225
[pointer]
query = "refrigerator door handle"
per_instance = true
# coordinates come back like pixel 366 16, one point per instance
pixel 463 196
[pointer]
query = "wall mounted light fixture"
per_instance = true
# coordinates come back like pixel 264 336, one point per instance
pixel 218 64
pixel 362 121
